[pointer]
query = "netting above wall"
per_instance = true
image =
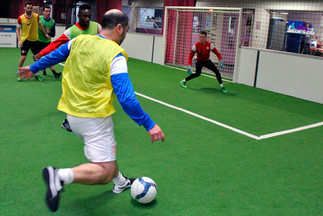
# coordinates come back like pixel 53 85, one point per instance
pixel 272 19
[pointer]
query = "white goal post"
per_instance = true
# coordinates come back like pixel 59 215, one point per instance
pixel 226 29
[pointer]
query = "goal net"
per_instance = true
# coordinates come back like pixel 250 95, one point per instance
pixel 227 29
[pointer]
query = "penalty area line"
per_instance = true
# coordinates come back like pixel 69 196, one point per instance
pixel 266 136
pixel 200 117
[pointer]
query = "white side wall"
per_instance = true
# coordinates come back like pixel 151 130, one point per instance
pixel 144 47
pixel 59 31
pixel 289 74
pixel 293 75
pixel 245 73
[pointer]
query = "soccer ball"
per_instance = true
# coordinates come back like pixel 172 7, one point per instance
pixel 144 190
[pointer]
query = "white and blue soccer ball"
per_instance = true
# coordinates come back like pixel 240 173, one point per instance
pixel 144 190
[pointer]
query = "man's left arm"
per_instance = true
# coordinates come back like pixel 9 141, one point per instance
pixel 41 27
pixel 217 53
pixel 123 88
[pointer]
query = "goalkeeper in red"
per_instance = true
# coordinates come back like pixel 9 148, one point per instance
pixel 203 48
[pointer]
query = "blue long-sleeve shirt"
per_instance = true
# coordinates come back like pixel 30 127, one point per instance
pixel 120 81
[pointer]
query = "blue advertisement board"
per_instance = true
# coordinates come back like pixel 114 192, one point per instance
pixel 8 36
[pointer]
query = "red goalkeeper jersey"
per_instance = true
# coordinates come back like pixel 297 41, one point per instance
pixel 203 52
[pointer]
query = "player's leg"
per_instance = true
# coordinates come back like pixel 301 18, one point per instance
pixel 22 58
pixel 210 65
pixel 100 149
pixel 23 55
pixel 43 45
pixel 56 75
pixel 35 48
pixel 95 173
pixel 198 67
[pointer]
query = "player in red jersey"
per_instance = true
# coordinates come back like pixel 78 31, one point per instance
pixel 203 48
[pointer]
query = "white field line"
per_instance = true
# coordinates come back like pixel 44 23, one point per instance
pixel 291 130
pixel 200 117
pixel 266 136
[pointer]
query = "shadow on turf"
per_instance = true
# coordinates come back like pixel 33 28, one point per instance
pixel 89 205
pixel 212 91
pixel 146 206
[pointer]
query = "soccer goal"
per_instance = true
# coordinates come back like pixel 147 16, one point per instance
pixel 226 29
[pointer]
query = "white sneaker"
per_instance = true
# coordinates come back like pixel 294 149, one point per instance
pixel 54 187
pixel 127 184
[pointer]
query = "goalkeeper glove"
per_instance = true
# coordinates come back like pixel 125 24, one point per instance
pixel 221 63
pixel 189 70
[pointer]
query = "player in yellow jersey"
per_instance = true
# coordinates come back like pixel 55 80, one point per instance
pixel 27 34
pixel 95 72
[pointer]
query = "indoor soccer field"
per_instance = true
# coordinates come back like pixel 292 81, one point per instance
pixel 247 152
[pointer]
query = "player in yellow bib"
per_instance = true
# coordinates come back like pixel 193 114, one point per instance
pixel 95 72
pixel 27 34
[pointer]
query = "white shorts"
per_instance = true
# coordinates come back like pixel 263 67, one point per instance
pixel 97 135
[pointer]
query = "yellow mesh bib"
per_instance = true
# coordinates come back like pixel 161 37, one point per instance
pixel 29 28
pixel 86 83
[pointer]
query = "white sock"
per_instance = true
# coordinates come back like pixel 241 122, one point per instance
pixel 221 85
pixel 184 80
pixel 119 180
pixel 66 175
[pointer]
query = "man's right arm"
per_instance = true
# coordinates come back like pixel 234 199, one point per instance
pixel 18 36
pixel 18 32
pixel 57 56
pixel 192 53
pixel 63 39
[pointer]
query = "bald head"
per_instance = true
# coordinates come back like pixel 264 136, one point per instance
pixel 114 17
pixel 113 11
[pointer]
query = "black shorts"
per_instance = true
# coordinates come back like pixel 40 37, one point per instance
pixel 42 45
pixel 33 45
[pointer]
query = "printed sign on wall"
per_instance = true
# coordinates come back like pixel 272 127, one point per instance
pixel 8 36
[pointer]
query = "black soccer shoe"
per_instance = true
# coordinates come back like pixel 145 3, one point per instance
pixel 54 187
pixel 66 126
pixel 56 75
